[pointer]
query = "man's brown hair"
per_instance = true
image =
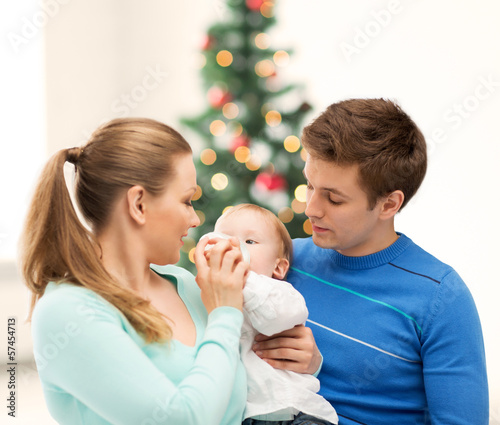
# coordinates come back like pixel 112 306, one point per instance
pixel 378 136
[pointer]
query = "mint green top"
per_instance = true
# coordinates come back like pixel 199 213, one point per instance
pixel 96 369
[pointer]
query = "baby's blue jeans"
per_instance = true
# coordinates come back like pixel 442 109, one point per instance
pixel 300 419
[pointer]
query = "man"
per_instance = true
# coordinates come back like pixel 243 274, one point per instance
pixel 398 329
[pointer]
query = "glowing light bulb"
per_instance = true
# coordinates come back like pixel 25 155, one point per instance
pixel 191 255
pixel 219 181
pixel 208 157
pixel 273 118
pixel 224 58
pixel 298 206
pixel 264 68
pixel 262 40
pixel 242 154
pixel 281 58
pixel 285 214
pixel 254 163
pixel 267 9
pixel 292 143
pixel 300 192
pixel 230 110
pixel 217 127
pixel 307 226
pixel 197 194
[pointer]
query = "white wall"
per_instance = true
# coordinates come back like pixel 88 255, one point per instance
pixel 22 118
pixel 430 56
pixel 440 61
pixel 116 58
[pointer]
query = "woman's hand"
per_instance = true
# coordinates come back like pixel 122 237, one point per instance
pixel 294 350
pixel 221 273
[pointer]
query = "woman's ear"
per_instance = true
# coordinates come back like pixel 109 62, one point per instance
pixel 392 204
pixel 281 268
pixel 136 204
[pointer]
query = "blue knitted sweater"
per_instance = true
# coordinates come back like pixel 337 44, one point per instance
pixel 399 333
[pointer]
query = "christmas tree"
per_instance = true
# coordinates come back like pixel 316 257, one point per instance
pixel 251 126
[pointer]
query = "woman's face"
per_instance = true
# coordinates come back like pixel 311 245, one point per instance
pixel 170 215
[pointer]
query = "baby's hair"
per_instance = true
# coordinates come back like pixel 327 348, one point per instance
pixel 286 250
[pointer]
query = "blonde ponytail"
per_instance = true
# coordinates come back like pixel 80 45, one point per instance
pixel 56 247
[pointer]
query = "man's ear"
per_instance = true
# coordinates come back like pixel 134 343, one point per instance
pixel 391 204
pixel 281 268
pixel 136 204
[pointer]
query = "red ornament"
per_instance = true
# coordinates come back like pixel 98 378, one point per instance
pixel 254 4
pixel 239 141
pixel 268 182
pixel 207 42
pixel 218 97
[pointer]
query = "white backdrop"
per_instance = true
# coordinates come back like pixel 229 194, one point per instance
pixel 439 60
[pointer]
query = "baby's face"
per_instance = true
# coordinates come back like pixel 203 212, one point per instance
pixel 261 238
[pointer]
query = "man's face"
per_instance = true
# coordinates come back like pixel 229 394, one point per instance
pixel 339 211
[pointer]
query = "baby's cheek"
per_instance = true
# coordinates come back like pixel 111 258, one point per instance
pixel 257 265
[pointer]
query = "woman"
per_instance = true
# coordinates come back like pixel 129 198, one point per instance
pixel 118 341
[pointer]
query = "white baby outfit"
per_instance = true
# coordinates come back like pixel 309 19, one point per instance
pixel 272 306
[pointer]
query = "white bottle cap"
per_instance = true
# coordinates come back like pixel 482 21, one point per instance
pixel 243 246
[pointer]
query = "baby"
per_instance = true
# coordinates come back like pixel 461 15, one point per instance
pixel 271 306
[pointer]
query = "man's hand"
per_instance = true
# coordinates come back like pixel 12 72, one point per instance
pixel 294 350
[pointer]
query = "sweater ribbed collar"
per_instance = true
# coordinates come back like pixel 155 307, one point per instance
pixel 373 260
